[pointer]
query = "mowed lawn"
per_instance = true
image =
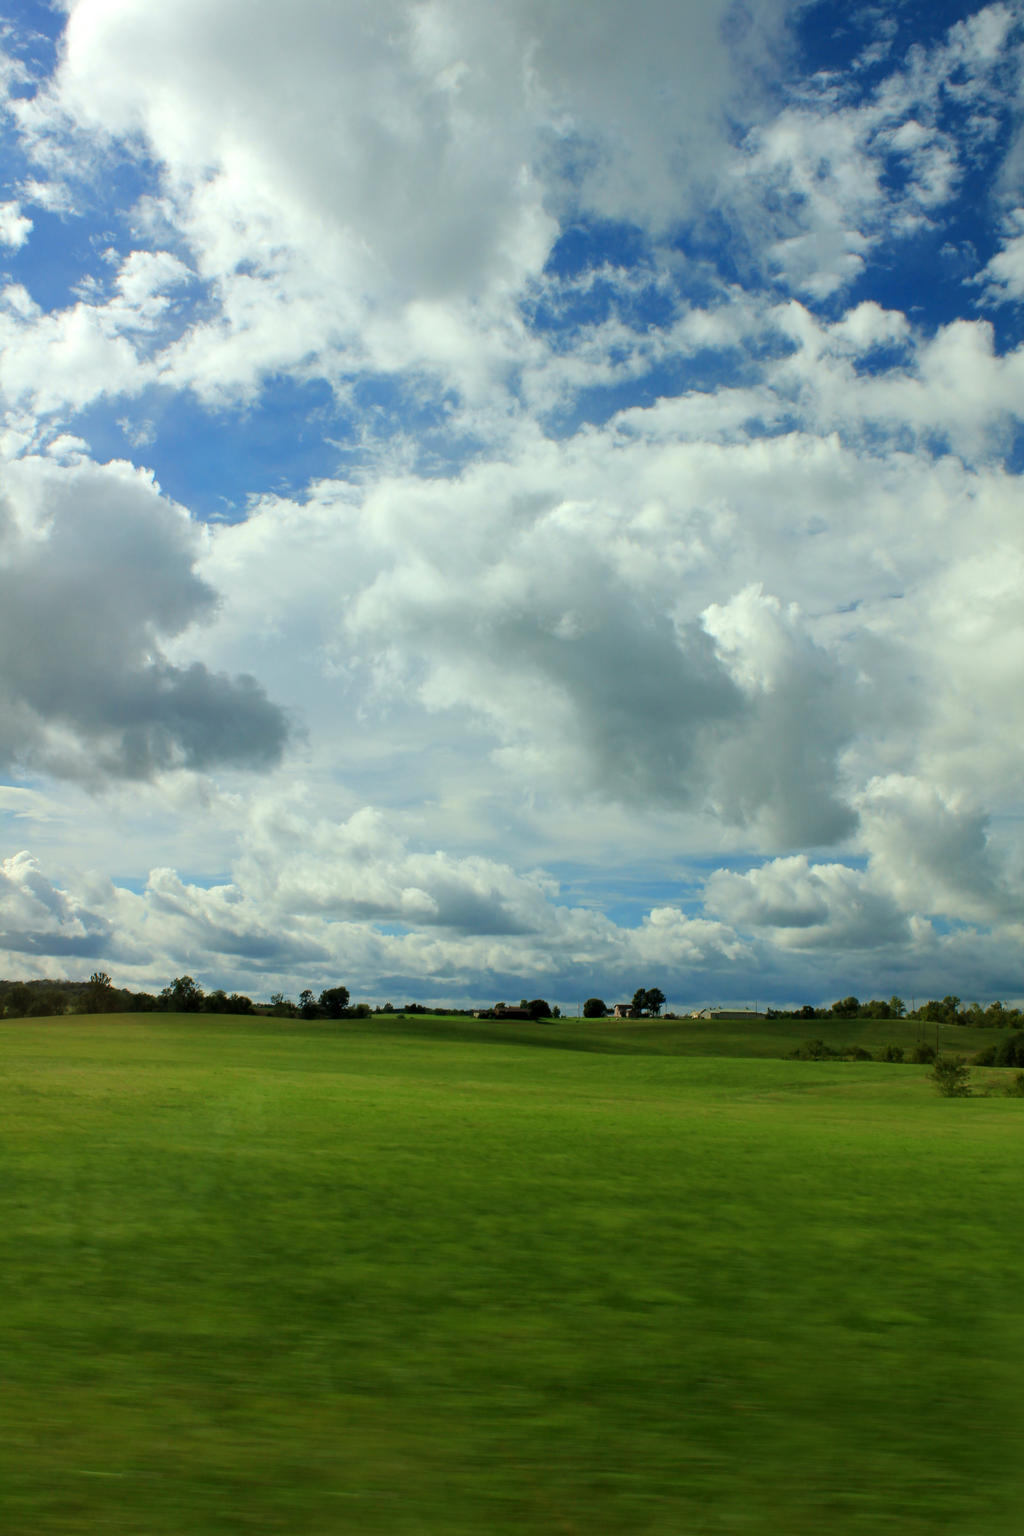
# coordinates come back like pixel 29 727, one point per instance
pixel 259 1276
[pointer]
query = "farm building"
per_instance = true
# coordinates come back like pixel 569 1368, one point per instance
pixel 738 1014
pixel 624 1011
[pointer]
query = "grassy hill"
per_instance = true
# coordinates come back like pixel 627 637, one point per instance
pixel 454 1276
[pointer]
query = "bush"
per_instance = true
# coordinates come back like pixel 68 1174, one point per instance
pixel 952 1077
pixel 1015 1090
pixel 922 1053
pixel 891 1053
pixel 856 1053
pixel 813 1050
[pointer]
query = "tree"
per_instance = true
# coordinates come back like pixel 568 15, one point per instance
pixel 897 1007
pixel 334 1001
pixel 99 995
pixel 307 1004
pixel 654 1001
pixel 952 1077
pixel 846 1008
pixel 595 1008
pixel 183 995
pixel 18 1000
pixel 539 1009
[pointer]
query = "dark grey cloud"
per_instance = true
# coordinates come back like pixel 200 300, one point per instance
pixel 97 576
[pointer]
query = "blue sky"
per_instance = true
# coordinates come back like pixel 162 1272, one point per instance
pixel 518 498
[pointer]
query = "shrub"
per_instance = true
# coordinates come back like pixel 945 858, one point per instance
pixel 923 1053
pixel 952 1077
pixel 856 1053
pixel 813 1050
pixel 891 1053
pixel 1015 1090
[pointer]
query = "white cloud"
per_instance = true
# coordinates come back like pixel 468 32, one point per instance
pixel 806 906
pixel 96 570
pixel 766 601
pixel 38 919
pixel 933 852
pixel 15 226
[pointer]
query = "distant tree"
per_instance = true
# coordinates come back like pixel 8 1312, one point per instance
pixel 239 1003
pixel 539 1008
pixel 307 1004
pixel 897 1007
pixel 334 1001
pixel 946 1012
pixel 807 1012
pixel 846 1008
pixel 654 1001
pixel 813 1050
pixel 281 1006
pixel 952 1077
pixel 183 995
pixel 100 995
pixel 215 1001
pixel 639 1001
pixel 1008 1053
pixel 595 1008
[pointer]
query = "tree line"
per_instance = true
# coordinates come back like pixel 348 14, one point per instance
pixel 42 999
pixel 948 1010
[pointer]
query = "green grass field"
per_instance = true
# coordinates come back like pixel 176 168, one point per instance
pixel 432 1276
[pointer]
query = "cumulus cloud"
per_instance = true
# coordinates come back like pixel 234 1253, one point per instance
pixel 687 548
pixel 96 572
pixel 372 194
pixel 934 852
pixel 39 919
pixel 809 906
pixel 310 900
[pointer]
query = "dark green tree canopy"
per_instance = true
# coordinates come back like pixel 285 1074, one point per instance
pixel 183 995
pixel 648 1000
pixel 334 1001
